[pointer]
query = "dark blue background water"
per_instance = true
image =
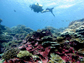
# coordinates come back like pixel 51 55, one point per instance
pixel 17 12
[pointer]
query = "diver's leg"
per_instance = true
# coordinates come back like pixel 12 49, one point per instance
pixel 44 11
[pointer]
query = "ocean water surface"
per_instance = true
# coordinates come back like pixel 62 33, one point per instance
pixel 18 12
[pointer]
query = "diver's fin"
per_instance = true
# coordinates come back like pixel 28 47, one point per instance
pixel 53 14
pixel 51 10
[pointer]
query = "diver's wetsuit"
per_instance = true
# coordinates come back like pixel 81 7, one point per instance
pixel 36 8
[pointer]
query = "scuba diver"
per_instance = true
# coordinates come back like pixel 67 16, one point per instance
pixel 38 8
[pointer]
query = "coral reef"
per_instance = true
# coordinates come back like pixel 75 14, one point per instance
pixel 12 37
pixel 64 48
pixel 2 28
pixel 21 29
pixel 10 54
pixel 74 25
pixel 48 45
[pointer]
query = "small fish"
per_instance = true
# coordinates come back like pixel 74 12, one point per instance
pixel 14 10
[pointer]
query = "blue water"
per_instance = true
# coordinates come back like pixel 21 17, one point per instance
pixel 65 11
